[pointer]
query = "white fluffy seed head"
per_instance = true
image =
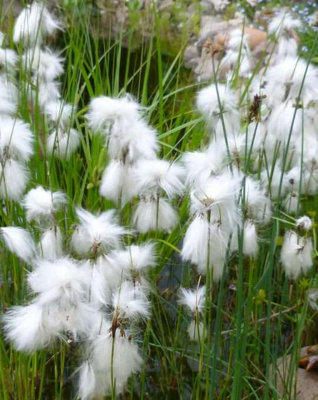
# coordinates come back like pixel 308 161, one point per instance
pixel 59 113
pixel 205 245
pixel 219 197
pixel 51 244
pixel 8 59
pixel 152 175
pixel 304 223
pixel 257 204
pixel 250 242
pixel 214 99
pixel 86 381
pixel 45 64
pixel 291 202
pixel 46 92
pixel 200 166
pixel 119 182
pixel 96 233
pixel 118 357
pixel 8 96
pixel 283 23
pixel 129 301
pixel 289 78
pixel 19 241
pixel 154 213
pixel 100 284
pixel 103 110
pixel 131 140
pixel 13 179
pixel 63 144
pixel 24 327
pixel 61 280
pixel 195 242
pixel 33 24
pixel 296 254
pixel 135 257
pixel 313 298
pixel 16 139
pixel 41 204
pixel 196 330
pixel 194 300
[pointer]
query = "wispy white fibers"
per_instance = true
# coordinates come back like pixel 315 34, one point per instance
pixel 19 241
pixel 194 300
pixel 196 330
pixel 291 202
pixel 13 179
pixel 129 140
pixel 250 241
pixel 106 109
pixel 154 175
pixel 304 223
pixel 46 92
pixel 59 280
pixel 45 64
pixel 283 27
pixel 16 148
pixel 63 140
pixel 216 217
pixel 86 381
pixel 8 96
pixel 42 204
pixel 201 165
pixel 16 139
pixel 257 204
pixel 8 59
pixel 63 143
pixel 60 306
pixel 296 254
pixel 237 54
pixel 195 242
pixel 50 246
pixel 103 278
pixel 59 113
pixel 118 182
pixel 154 213
pixel 135 257
pixel 130 302
pixel 219 196
pixel 111 355
pixel 33 24
pixel 96 233
pixel 282 23
pixel 24 327
pixel 287 78
pixel 156 178
pixel 62 289
pixel 116 356
pixel 218 101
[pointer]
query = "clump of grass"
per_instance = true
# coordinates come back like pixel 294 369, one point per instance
pixel 245 310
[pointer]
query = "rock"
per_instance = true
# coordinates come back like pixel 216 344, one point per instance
pixel 211 26
pixel 191 56
pixel 307 382
pixel 256 37
pixel 314 19
pixel 216 5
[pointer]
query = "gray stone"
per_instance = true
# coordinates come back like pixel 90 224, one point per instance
pixel 306 382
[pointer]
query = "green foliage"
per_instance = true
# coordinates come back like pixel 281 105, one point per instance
pixel 252 317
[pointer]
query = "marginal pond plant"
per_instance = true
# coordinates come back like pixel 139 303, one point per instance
pixel 90 259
